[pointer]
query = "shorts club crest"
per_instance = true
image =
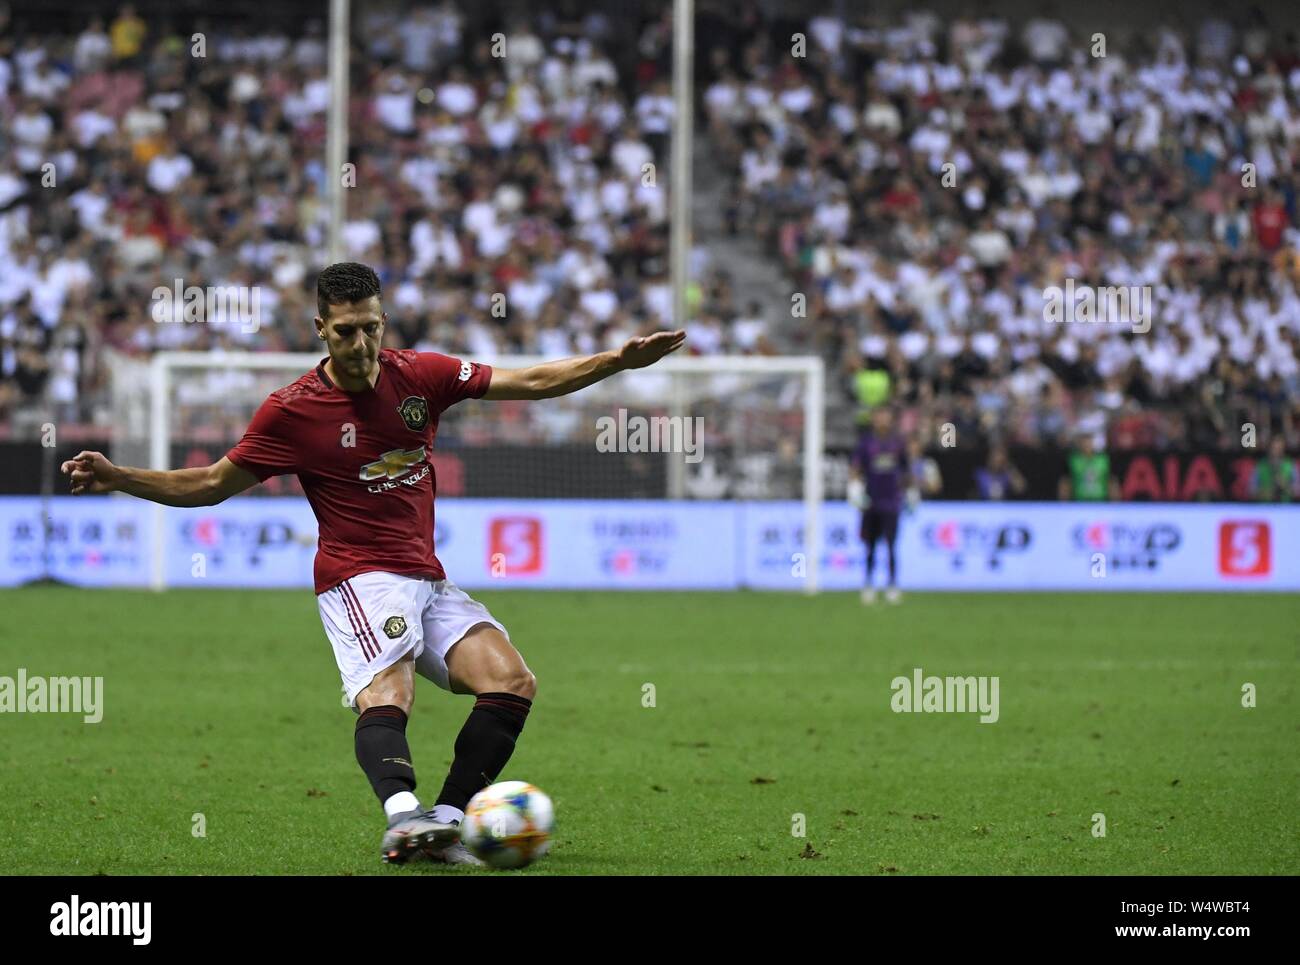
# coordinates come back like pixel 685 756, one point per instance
pixel 374 619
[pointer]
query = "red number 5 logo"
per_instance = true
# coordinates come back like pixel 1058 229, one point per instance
pixel 1245 548
pixel 516 541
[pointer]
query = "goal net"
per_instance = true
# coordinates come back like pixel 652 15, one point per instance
pixel 720 433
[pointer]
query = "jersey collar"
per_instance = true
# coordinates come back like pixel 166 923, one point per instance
pixel 329 383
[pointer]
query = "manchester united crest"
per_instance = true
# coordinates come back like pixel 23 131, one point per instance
pixel 414 412
pixel 394 627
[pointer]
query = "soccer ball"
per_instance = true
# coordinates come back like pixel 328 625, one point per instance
pixel 508 825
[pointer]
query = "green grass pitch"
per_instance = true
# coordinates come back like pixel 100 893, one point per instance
pixel 766 706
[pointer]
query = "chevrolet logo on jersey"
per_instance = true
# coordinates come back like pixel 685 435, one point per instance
pixel 414 412
pixel 393 464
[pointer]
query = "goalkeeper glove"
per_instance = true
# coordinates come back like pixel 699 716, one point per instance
pixel 857 494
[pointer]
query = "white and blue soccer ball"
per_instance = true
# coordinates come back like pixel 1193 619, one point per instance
pixel 508 825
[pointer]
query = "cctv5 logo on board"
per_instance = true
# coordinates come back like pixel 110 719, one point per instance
pixel 216 535
pixel 961 542
pixel 631 546
pixel 1126 546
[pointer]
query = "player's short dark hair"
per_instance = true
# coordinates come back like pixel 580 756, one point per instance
pixel 344 283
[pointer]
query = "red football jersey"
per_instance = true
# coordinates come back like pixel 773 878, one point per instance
pixel 373 499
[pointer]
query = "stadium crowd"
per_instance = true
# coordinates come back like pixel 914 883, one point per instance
pixel 922 184
pixel 132 157
pixel 926 185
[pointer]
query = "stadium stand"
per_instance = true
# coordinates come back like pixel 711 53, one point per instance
pixel 915 184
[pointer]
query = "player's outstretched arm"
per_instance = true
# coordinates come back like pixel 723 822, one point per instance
pixel 91 472
pixel 551 379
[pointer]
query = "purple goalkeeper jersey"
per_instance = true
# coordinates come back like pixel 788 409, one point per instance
pixel 880 461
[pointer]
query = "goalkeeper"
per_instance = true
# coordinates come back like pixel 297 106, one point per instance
pixel 878 486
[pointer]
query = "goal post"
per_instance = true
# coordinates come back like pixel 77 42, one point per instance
pixel 743 429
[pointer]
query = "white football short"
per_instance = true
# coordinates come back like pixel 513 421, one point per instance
pixel 374 619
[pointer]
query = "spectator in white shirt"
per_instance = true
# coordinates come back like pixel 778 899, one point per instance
pixel 169 170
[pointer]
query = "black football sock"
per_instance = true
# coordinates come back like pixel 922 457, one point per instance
pixel 382 751
pixel 484 745
pixel 871 562
pixel 893 566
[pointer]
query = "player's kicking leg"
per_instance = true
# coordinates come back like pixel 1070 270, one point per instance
pixel 385 629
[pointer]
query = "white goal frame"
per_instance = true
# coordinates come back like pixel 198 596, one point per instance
pixel 163 364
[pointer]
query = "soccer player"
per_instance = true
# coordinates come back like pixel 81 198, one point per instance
pixel 879 479
pixel 358 431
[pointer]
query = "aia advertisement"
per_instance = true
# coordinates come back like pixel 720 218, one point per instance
pixel 1186 476
pixel 1146 476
